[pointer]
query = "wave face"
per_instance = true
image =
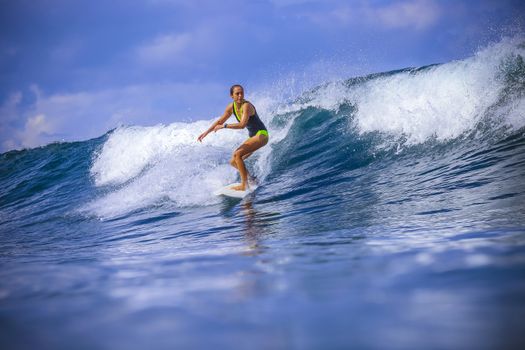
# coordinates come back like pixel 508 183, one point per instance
pixel 423 168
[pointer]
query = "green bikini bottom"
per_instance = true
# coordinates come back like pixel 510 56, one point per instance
pixel 262 132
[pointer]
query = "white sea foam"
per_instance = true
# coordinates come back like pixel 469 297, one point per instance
pixel 144 166
pixel 443 101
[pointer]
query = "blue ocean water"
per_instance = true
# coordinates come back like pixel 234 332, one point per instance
pixel 389 215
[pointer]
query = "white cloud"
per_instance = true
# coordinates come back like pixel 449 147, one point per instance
pixel 416 14
pixel 9 119
pixel 409 14
pixel 165 48
pixel 19 131
pixel 284 3
pixel 10 105
pixel 207 41
pixel 19 128
pixel 37 128
pixel 65 52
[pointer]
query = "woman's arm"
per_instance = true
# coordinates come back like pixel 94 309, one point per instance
pixel 227 113
pixel 247 111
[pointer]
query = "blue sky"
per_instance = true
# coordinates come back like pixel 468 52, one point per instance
pixel 71 70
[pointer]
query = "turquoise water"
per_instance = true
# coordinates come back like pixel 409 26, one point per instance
pixel 389 215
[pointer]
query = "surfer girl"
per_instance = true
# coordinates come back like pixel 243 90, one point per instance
pixel 247 117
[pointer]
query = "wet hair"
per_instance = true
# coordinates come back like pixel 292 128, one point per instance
pixel 234 86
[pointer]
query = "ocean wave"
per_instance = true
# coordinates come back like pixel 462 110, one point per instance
pixel 334 128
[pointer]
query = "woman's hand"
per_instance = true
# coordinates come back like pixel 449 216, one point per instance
pixel 218 127
pixel 203 135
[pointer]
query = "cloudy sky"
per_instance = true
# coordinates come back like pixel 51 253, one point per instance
pixel 73 69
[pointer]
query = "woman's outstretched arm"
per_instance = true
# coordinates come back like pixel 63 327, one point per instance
pixel 227 113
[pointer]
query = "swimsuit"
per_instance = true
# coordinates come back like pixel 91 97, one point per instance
pixel 255 126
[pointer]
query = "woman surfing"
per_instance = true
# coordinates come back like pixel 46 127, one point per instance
pixel 247 117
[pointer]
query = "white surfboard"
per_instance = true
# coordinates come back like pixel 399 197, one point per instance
pixel 229 192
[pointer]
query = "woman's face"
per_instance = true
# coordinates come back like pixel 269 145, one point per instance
pixel 238 94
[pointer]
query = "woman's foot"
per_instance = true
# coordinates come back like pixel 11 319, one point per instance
pixel 240 187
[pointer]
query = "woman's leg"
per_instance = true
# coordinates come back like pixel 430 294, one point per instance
pixel 244 151
pixel 232 161
pixel 252 180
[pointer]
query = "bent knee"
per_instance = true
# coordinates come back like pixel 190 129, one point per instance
pixel 237 155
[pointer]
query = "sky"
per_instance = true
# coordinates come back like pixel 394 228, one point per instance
pixel 73 69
